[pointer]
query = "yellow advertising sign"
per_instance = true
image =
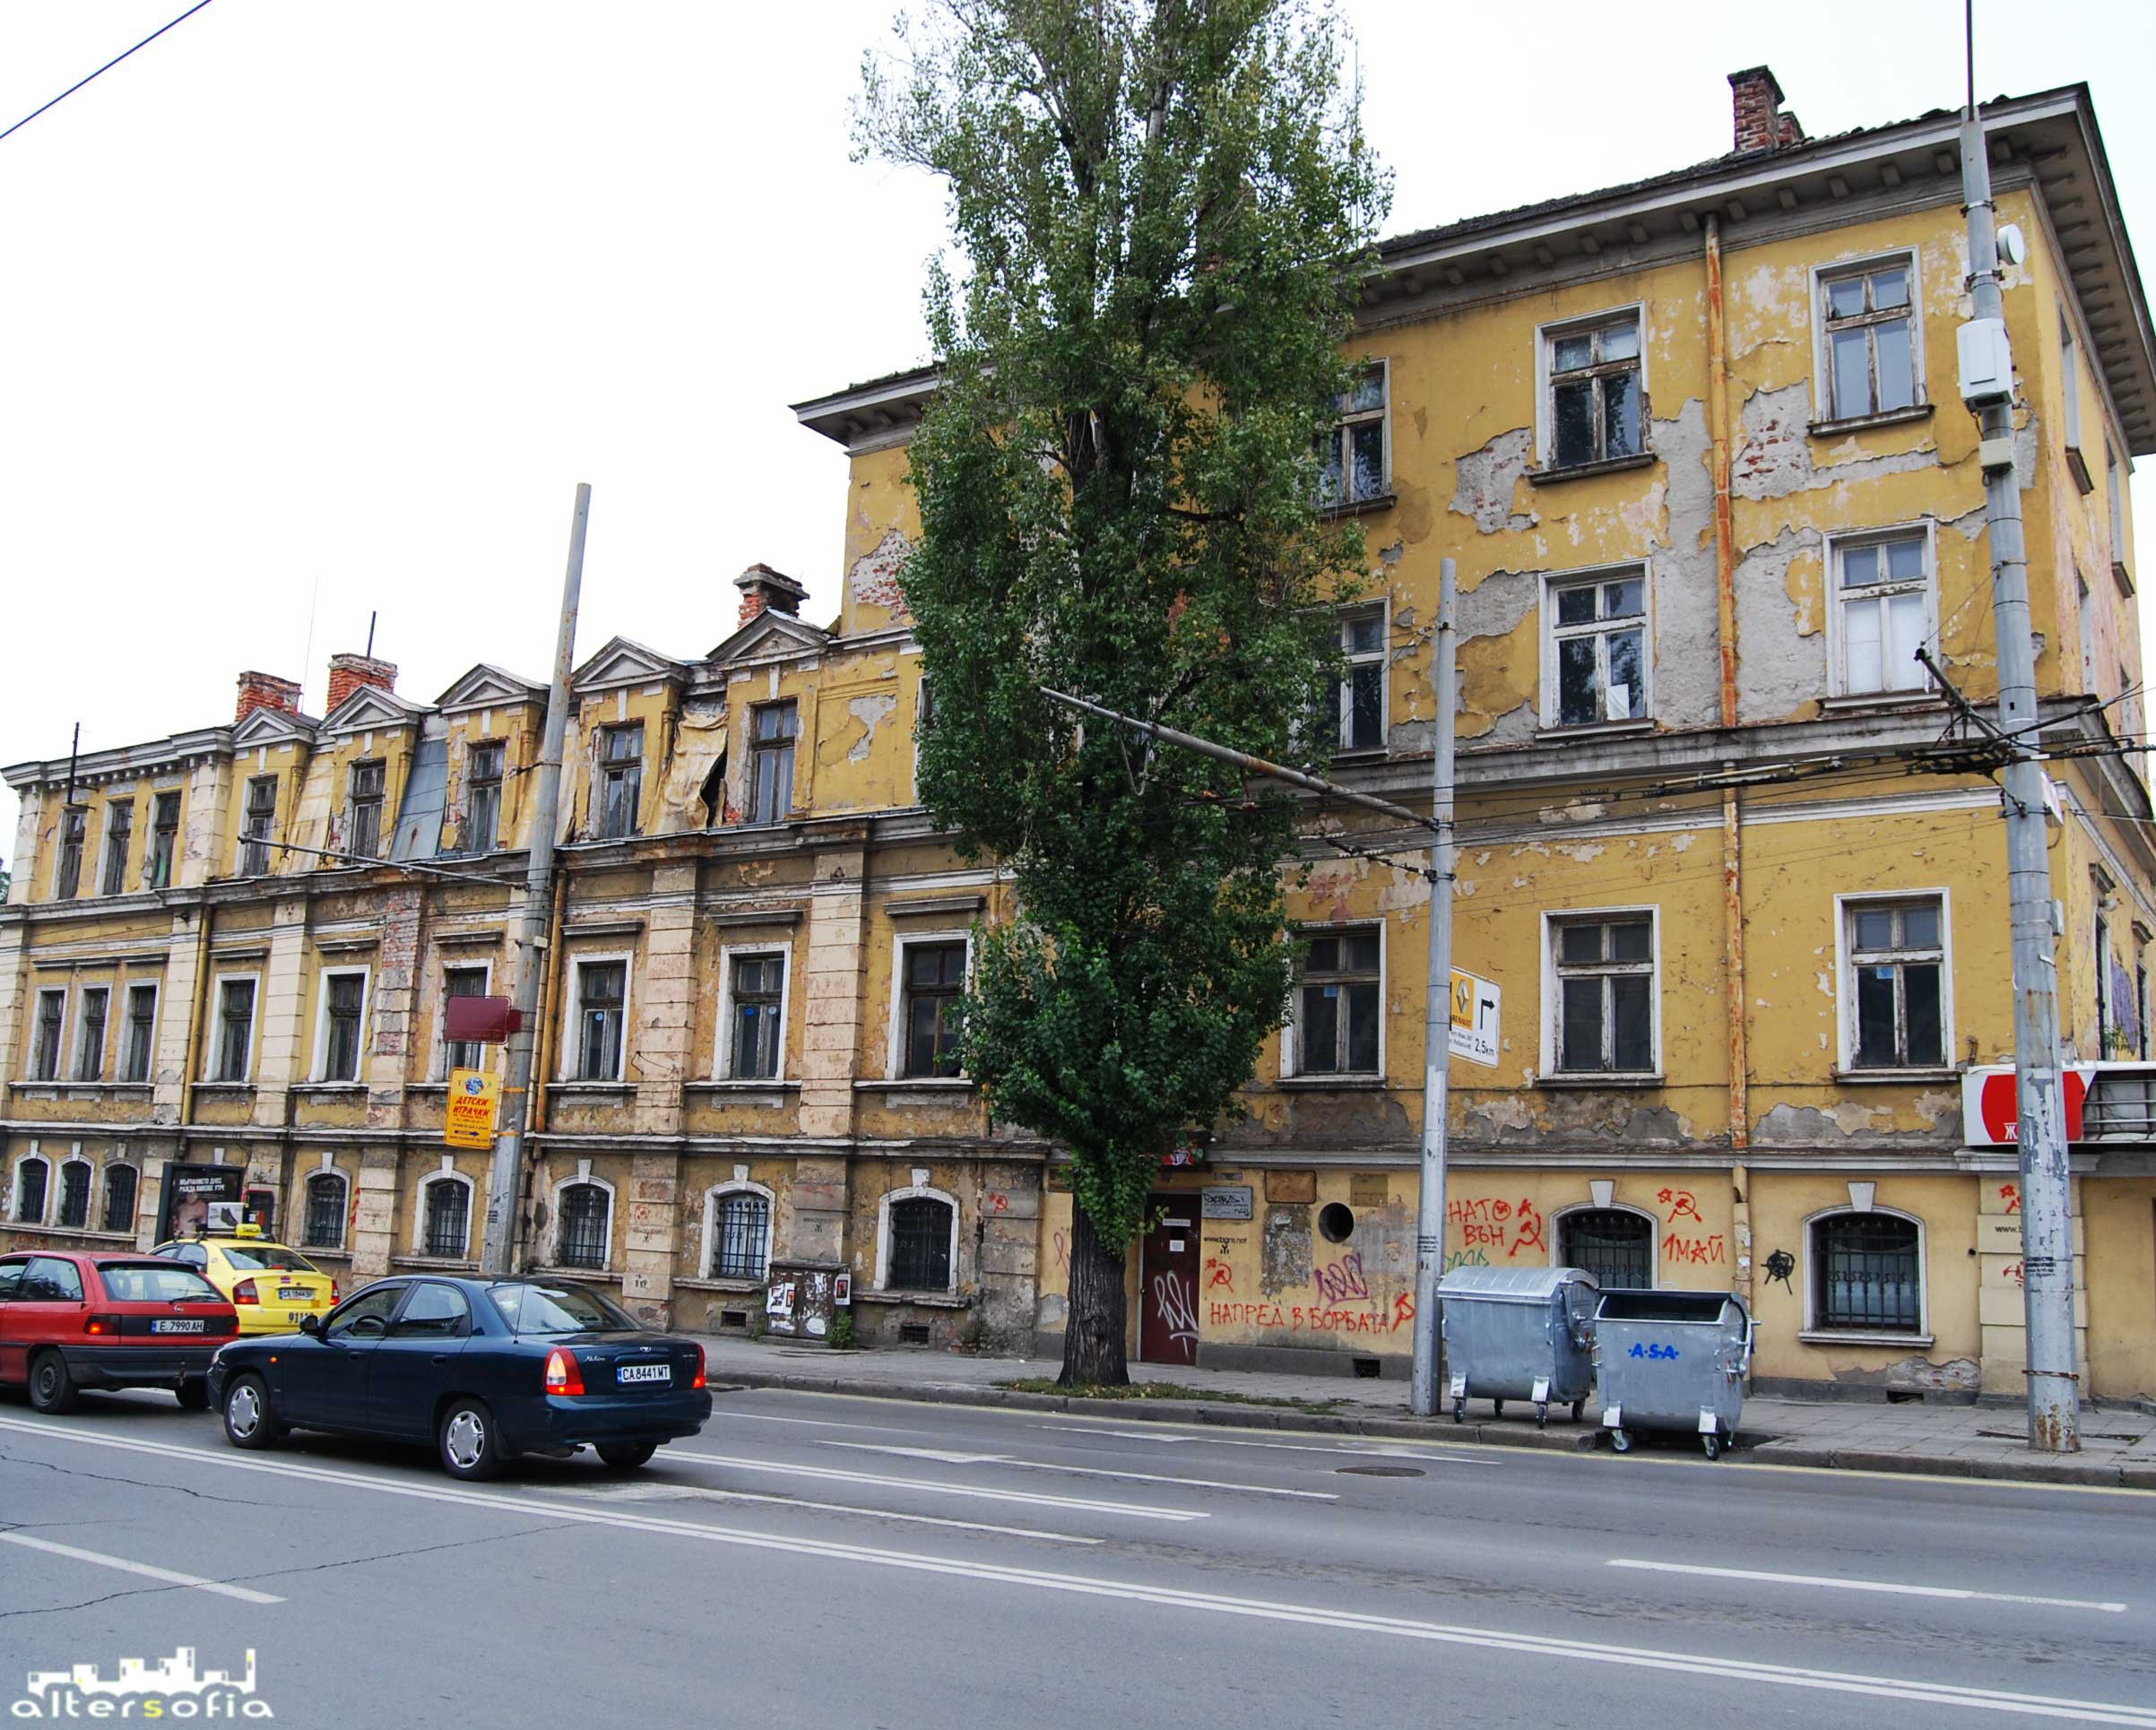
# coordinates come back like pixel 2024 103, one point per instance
pixel 474 1098
pixel 1476 1004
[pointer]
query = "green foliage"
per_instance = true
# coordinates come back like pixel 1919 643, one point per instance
pixel 844 1336
pixel 1163 212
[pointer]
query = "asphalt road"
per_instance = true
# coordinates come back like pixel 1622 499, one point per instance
pixel 822 1561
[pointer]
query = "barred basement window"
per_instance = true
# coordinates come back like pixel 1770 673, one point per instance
pixel 325 1224
pixel 448 1218
pixel 740 1236
pixel 1867 1274
pixel 120 1183
pixel 921 1245
pixel 1613 1244
pixel 75 1195
pixel 585 1208
pixel 31 1178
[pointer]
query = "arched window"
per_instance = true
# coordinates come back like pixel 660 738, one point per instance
pixel 740 1234
pixel 75 1195
pixel 1867 1273
pixel 31 1178
pixel 584 1214
pixel 324 1227
pixel 120 1185
pixel 448 1215
pixel 1614 1244
pixel 921 1231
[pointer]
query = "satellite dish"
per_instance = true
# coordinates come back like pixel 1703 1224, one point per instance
pixel 2013 247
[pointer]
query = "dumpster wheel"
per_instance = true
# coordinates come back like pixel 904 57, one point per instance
pixel 1578 1410
pixel 1710 1445
pixel 1542 1416
pixel 1459 1410
pixel 1621 1440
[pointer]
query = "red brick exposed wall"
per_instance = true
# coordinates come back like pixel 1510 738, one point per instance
pixel 349 672
pixel 266 691
pixel 1756 101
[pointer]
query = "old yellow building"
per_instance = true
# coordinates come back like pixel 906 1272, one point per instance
pixel 1696 445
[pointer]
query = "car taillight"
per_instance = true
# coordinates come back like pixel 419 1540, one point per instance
pixel 102 1324
pixel 698 1381
pixel 244 1292
pixel 565 1375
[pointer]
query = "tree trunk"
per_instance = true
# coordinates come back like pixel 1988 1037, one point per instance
pixel 1093 1334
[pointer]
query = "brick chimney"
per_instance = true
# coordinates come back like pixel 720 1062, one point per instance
pixel 764 590
pixel 266 691
pixel 1755 97
pixel 348 672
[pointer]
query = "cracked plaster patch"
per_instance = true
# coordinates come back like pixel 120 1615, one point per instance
pixel 1489 478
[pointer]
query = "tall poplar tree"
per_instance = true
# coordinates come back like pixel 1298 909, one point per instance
pixel 1162 212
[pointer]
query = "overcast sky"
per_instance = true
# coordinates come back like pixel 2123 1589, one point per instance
pixel 319 307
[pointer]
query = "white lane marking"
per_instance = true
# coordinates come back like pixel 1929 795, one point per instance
pixel 170 1575
pixel 1086 1471
pixel 819 1424
pixel 1866 1586
pixel 1691 1664
pixel 658 1490
pixel 1398 1451
pixel 979 1492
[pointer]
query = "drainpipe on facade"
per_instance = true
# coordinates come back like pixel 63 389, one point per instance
pixel 533 936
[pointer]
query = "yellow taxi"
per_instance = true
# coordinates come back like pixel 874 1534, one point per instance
pixel 270 1286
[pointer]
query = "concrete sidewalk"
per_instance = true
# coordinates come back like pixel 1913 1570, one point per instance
pixel 1982 1441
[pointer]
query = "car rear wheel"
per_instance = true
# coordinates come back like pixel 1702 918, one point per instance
pixel 625 1456
pixel 249 1421
pixel 52 1389
pixel 193 1395
pixel 467 1441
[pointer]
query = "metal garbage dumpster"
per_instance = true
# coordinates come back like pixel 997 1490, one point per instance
pixel 1518 1333
pixel 1673 1360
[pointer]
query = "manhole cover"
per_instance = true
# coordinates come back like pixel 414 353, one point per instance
pixel 1381 1471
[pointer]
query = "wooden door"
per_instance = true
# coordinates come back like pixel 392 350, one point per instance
pixel 1167 1327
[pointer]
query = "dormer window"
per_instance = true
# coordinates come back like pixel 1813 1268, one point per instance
pixel 620 780
pixel 255 826
pixel 771 761
pixel 483 800
pixel 363 829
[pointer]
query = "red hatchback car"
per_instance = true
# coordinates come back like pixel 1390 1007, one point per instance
pixel 73 1321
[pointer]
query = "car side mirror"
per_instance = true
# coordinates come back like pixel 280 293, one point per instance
pixel 310 1324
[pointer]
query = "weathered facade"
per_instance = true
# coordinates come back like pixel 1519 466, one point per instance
pixel 1697 448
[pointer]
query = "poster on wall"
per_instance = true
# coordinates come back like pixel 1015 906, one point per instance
pixel 189 1191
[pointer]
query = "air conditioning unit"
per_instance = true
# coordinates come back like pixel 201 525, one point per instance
pixel 1987 360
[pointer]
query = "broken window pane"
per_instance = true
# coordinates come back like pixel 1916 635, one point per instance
pixel 1622 600
pixel 1365 634
pixel 1905 637
pixel 1624 647
pixel 1567 352
pixel 1621 342
pixel 1576 606
pixel 1578 695
pixel 1845 299
pixel 1368 440
pixel 1575 424
pixel 1368 392
pixel 1620 414
pixel 1862 652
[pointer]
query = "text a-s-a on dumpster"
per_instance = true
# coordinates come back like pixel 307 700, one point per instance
pixel 1672 1361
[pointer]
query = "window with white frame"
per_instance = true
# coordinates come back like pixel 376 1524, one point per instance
pixel 1868 325
pixel 1897 990
pixel 75 1195
pixel 1867 1273
pixel 738 1231
pixel 2115 493
pixel 482 798
pixel 620 780
pixel 1353 460
pixel 90 1032
pixel 1595 391
pixel 33 1173
pixel 2069 384
pixel 256 824
pixel 323 1221
pixel 363 808
pixel 139 1043
pixel 463 982
pixel 920 1238
pixel 1358 690
pixel 45 1043
pixel 931 1006
pixel 122 1184
pixel 1604 966
pixel 601 1016
pixel 1340 1003
pixel 164 843
pixel 924 717
pixel 343 1021
pixel 119 833
pixel 773 728
pixel 584 1222
pixel 1598 649
pixel 1882 612
pixel 233 1055
pixel 445 1215
pixel 755 1015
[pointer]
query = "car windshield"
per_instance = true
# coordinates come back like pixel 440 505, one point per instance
pixel 273 1256
pixel 155 1282
pixel 532 1307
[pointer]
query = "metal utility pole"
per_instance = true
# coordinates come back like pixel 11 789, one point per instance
pixel 1986 375
pixel 1437 1016
pixel 532 938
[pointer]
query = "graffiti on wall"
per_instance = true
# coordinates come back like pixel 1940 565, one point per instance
pixel 1343 1280
pixel 1497 1225
pixel 1173 1298
pixel 1310 1318
pixel 1682 1249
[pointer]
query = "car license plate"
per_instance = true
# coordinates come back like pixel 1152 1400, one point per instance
pixel 177 1327
pixel 294 1294
pixel 645 1373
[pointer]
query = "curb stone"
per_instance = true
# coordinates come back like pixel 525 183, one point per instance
pixel 1495 1434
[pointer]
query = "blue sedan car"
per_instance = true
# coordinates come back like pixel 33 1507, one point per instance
pixel 485 1370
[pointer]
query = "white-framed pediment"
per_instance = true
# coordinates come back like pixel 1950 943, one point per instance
pixel 371 709
pixel 622 661
pixel 267 726
pixel 489 686
pixel 770 633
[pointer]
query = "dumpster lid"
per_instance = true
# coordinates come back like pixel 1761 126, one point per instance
pixel 1511 1285
pixel 1624 1304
